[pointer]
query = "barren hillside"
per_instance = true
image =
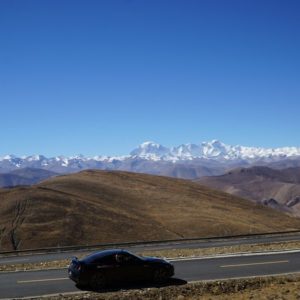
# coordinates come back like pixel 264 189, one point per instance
pixel 100 206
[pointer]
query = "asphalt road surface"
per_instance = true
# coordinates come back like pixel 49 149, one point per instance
pixel 33 283
pixel 35 258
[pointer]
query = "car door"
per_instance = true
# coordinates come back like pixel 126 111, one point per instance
pixel 131 268
pixel 110 267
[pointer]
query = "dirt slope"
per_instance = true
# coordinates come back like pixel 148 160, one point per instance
pixel 100 206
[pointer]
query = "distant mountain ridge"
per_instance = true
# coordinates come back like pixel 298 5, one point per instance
pixel 26 176
pixel 185 161
pixel 279 189
pixel 211 150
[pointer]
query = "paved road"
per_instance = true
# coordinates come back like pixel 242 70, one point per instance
pixel 34 258
pixel 33 283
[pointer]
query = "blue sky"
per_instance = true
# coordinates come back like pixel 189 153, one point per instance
pixel 100 77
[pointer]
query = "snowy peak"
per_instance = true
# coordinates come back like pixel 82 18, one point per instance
pixel 150 150
pixel 211 150
pixel 186 151
pixel 215 149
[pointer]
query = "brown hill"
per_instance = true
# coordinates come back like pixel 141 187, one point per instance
pixel 100 206
pixel 277 188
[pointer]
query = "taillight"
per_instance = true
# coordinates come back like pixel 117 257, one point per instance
pixel 76 264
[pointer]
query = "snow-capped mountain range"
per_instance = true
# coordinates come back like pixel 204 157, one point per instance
pixel 211 150
pixel 151 157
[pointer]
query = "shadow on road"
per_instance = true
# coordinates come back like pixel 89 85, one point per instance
pixel 131 286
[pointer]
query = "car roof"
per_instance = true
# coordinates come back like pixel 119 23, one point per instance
pixel 101 254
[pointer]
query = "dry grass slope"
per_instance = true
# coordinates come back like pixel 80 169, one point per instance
pixel 100 206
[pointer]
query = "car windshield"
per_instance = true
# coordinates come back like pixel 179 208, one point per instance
pixel 137 256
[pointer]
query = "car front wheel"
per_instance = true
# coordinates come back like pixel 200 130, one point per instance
pixel 160 275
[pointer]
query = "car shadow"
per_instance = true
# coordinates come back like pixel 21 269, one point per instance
pixel 131 286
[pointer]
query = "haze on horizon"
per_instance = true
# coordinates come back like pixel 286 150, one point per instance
pixel 101 77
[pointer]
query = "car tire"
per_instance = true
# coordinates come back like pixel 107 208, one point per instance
pixel 160 275
pixel 97 281
pixel 81 285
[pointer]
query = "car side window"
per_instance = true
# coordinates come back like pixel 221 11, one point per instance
pixel 108 260
pixel 128 259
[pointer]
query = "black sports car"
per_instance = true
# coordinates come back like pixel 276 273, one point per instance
pixel 110 266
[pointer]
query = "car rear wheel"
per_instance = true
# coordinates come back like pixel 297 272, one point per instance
pixel 160 275
pixel 98 281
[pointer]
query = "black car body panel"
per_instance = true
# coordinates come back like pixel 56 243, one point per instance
pixel 118 266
